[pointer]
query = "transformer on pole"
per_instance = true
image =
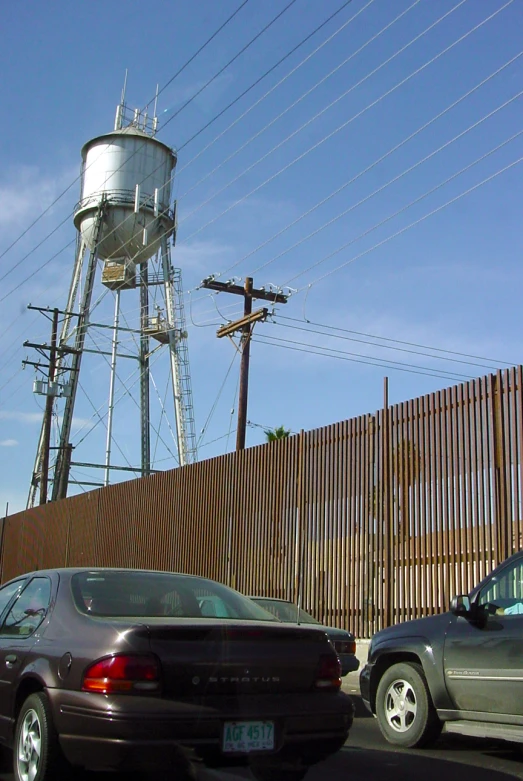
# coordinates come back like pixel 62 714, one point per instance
pixel 126 224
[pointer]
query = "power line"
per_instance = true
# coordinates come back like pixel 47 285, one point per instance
pixel 351 119
pixel 288 108
pixel 230 62
pixel 340 355
pixel 418 221
pixel 263 76
pixel 396 341
pixel 373 165
pixel 215 403
pixel 96 412
pixel 389 346
pixel 197 52
pixel 390 182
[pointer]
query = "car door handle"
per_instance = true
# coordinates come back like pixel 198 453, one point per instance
pixel 11 659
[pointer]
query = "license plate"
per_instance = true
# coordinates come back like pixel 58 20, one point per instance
pixel 246 736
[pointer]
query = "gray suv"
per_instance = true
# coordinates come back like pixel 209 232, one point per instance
pixel 461 671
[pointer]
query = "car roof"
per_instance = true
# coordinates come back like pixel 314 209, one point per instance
pixel 77 570
pixel 273 599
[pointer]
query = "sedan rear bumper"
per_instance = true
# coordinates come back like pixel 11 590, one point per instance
pixel 101 732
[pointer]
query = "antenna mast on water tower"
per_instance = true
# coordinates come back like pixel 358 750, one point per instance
pixel 124 219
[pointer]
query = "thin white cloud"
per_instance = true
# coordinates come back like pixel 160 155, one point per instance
pixel 25 191
pixel 9 443
pixel 36 417
pixel 21 417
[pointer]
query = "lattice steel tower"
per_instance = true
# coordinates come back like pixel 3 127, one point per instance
pixel 126 225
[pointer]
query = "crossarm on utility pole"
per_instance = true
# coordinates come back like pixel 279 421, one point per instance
pixel 245 325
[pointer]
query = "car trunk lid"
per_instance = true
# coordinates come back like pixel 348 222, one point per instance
pixel 211 658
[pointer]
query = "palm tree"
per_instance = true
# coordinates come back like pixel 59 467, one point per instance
pixel 273 434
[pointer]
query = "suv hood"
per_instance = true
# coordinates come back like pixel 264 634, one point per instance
pixel 420 627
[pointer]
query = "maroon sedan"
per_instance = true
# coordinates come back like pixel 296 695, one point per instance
pixel 118 669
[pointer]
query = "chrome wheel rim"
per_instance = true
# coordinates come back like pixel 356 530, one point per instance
pixel 29 746
pixel 401 705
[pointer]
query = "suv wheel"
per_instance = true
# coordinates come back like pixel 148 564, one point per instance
pixel 404 708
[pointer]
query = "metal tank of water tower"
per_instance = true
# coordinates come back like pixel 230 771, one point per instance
pixel 125 219
pixel 131 172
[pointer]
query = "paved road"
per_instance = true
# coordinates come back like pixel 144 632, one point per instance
pixel 367 756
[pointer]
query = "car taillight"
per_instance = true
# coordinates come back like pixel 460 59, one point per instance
pixel 345 647
pixel 328 674
pixel 122 673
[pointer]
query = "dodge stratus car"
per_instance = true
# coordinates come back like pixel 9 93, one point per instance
pixel 118 669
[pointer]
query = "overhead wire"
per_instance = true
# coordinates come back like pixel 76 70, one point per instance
pixel 163 414
pixel 233 59
pixel 424 353
pixel 484 21
pixel 346 356
pixel 392 181
pixel 235 401
pixel 383 157
pixel 286 110
pixel 216 400
pixel 416 222
pixel 270 90
pixel 97 413
pixel 153 459
pixel 196 53
pixel 495 361
pixel 353 117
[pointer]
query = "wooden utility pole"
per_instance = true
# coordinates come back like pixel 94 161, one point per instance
pixel 245 325
pixel 51 388
pixel 48 419
pixel 244 367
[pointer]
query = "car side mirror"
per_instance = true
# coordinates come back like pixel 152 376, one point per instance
pixel 460 605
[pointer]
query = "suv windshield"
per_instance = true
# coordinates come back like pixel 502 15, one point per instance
pixel 285 611
pixel 129 594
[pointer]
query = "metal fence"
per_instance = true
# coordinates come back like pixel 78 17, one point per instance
pixel 367 522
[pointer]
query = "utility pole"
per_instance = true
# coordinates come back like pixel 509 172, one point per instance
pixel 245 325
pixel 48 418
pixel 53 387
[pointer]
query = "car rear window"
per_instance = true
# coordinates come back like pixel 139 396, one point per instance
pixel 156 594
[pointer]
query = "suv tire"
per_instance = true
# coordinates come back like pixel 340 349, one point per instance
pixel 404 708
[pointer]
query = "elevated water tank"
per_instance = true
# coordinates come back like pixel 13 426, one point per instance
pixel 132 170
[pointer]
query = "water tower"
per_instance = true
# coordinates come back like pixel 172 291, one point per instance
pixel 126 222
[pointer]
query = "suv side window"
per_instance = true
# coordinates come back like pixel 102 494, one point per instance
pixel 505 591
pixel 29 610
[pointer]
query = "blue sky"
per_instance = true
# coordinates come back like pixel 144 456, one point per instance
pixel 449 280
